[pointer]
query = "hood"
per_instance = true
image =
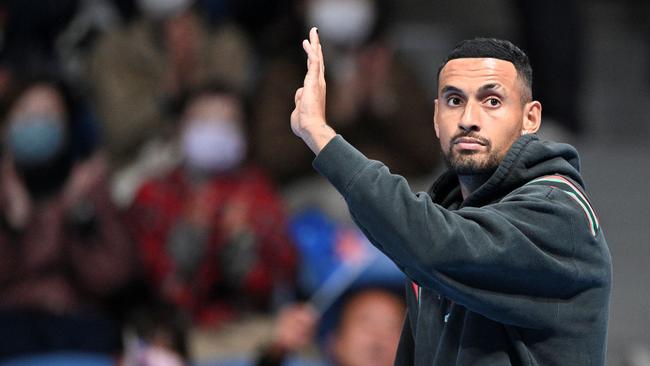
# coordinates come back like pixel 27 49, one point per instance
pixel 527 159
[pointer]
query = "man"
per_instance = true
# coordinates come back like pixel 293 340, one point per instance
pixel 508 261
pixel 365 332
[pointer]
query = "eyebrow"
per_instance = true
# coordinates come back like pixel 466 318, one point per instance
pixel 491 86
pixel 449 89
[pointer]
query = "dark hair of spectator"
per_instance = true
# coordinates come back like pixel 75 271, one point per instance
pixel 349 296
pixel 179 105
pixel 19 87
pixel 499 49
pixel 82 134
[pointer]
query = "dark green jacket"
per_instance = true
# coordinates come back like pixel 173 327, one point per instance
pixel 516 274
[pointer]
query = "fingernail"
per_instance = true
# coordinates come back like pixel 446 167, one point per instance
pixel 316 30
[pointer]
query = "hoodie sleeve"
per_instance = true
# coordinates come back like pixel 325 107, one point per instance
pixel 516 261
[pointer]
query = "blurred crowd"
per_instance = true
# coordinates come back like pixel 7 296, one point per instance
pixel 152 193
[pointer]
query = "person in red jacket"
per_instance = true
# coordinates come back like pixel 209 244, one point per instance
pixel 211 233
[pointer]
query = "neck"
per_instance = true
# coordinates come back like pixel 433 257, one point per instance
pixel 469 183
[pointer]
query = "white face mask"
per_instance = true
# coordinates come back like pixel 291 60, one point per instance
pixel 161 9
pixel 213 146
pixel 345 22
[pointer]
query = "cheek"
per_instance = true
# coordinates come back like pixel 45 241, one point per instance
pixel 504 141
pixel 446 117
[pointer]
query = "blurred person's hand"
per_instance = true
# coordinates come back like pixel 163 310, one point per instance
pixel 201 205
pixel 235 213
pixel 294 328
pixel 85 177
pixel 16 202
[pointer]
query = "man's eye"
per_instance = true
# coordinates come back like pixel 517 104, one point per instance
pixel 494 102
pixel 454 101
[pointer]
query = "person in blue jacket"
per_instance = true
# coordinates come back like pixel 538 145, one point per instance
pixel 508 262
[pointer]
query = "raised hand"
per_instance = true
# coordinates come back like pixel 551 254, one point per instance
pixel 308 118
pixel 294 328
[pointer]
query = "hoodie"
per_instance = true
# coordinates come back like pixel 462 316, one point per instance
pixel 515 274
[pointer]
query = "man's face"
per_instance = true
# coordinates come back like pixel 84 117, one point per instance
pixel 480 112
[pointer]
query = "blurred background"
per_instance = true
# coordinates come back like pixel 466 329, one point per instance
pixel 127 237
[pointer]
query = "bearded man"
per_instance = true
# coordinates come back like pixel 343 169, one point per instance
pixel 508 262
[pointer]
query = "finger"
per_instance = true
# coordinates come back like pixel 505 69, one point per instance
pixel 306 46
pixel 294 116
pixel 313 64
pixel 298 96
pixel 322 62
pixel 312 58
pixel 314 40
pixel 313 36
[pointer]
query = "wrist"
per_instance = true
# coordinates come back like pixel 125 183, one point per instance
pixel 317 136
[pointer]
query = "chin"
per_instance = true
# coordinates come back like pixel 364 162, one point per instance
pixel 473 162
pixel 473 167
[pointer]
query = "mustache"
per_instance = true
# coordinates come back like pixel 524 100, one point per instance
pixel 473 135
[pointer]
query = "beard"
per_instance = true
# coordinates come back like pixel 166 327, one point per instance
pixel 471 162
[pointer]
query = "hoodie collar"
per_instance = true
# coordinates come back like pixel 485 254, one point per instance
pixel 528 158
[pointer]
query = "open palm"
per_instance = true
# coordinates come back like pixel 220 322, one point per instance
pixel 308 117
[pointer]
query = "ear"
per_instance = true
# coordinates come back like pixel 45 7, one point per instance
pixel 435 117
pixel 532 117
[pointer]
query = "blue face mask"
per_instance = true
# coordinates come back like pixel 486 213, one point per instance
pixel 36 140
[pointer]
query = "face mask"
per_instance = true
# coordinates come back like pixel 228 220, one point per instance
pixel 213 146
pixel 40 154
pixel 344 22
pixel 35 141
pixel 161 9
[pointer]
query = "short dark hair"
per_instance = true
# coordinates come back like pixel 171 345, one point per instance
pixel 21 85
pixel 211 87
pixel 499 49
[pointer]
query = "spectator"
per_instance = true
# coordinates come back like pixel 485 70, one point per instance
pixel 63 250
pixel 366 331
pixel 212 232
pixel 156 335
pixel 138 70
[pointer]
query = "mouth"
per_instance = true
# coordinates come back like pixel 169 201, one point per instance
pixel 469 143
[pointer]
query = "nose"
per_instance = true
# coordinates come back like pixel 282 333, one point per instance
pixel 470 120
